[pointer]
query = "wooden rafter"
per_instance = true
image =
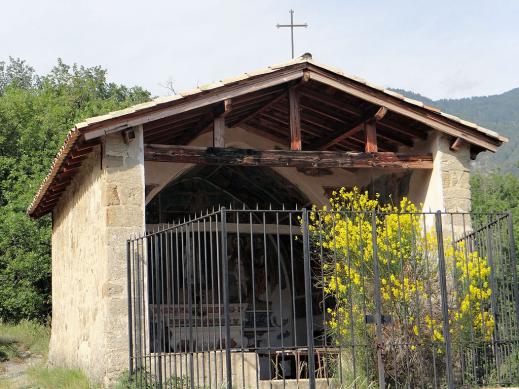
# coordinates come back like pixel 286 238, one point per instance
pixel 456 144
pixel 285 158
pixel 342 134
pixel 418 113
pixel 330 102
pixel 261 109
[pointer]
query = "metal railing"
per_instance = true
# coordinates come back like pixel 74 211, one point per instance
pixel 288 298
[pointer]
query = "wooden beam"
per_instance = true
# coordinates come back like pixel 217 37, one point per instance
pixel 219 125
pixel 285 158
pixel 219 132
pixel 295 119
pixel 457 144
pixel 341 134
pixel 422 115
pixel 262 109
pixel 370 132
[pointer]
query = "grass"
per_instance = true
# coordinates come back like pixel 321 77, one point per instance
pixel 58 378
pixel 27 336
pixel 24 336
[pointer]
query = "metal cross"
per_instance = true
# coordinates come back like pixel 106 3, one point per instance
pixel 292 25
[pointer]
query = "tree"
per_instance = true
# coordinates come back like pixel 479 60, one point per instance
pixel 36 112
pixel 496 192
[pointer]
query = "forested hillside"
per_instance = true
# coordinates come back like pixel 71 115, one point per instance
pixel 499 113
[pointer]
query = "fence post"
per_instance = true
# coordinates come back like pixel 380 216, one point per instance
pixel 130 314
pixel 444 301
pixel 158 291
pixel 188 257
pixel 308 301
pixel 493 301
pixel 378 304
pixel 225 270
pixel 513 263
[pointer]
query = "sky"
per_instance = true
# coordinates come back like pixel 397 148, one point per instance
pixel 441 48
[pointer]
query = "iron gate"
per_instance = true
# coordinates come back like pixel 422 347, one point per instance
pixel 306 298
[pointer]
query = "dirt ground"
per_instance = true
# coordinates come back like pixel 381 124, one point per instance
pixel 13 373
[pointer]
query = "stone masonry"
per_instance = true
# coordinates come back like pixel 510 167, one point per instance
pixel 101 209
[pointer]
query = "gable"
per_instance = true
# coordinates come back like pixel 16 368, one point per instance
pixel 334 109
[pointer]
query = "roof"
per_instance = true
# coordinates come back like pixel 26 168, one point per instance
pixel 85 135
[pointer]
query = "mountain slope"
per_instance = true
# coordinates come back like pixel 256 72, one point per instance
pixel 498 112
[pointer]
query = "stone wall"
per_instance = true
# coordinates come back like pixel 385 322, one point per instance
pixel 455 175
pixel 78 270
pixel 124 207
pixel 102 207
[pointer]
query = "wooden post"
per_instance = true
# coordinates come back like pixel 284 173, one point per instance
pixel 295 120
pixel 219 125
pixel 370 130
pixel 219 132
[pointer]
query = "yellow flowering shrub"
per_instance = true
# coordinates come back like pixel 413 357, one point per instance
pixel 407 253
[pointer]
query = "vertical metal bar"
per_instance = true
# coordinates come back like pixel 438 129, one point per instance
pixel 240 300
pixel 378 303
pixel 281 316
pixel 444 301
pixel 164 314
pixel 130 315
pixel 225 269
pixel 429 299
pixel 308 301
pixel 493 302
pixel 267 297
pixel 208 326
pixel 513 264
pixel 158 286
pixel 188 258
pixel 253 278
pixel 179 265
pixel 143 272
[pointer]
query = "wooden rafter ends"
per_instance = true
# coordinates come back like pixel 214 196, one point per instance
pixel 295 119
pixel 456 144
pixel 285 158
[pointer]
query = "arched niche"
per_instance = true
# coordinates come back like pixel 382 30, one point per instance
pixel 205 187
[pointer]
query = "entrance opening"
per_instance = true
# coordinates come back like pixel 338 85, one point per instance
pixel 261 265
pixel 204 188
